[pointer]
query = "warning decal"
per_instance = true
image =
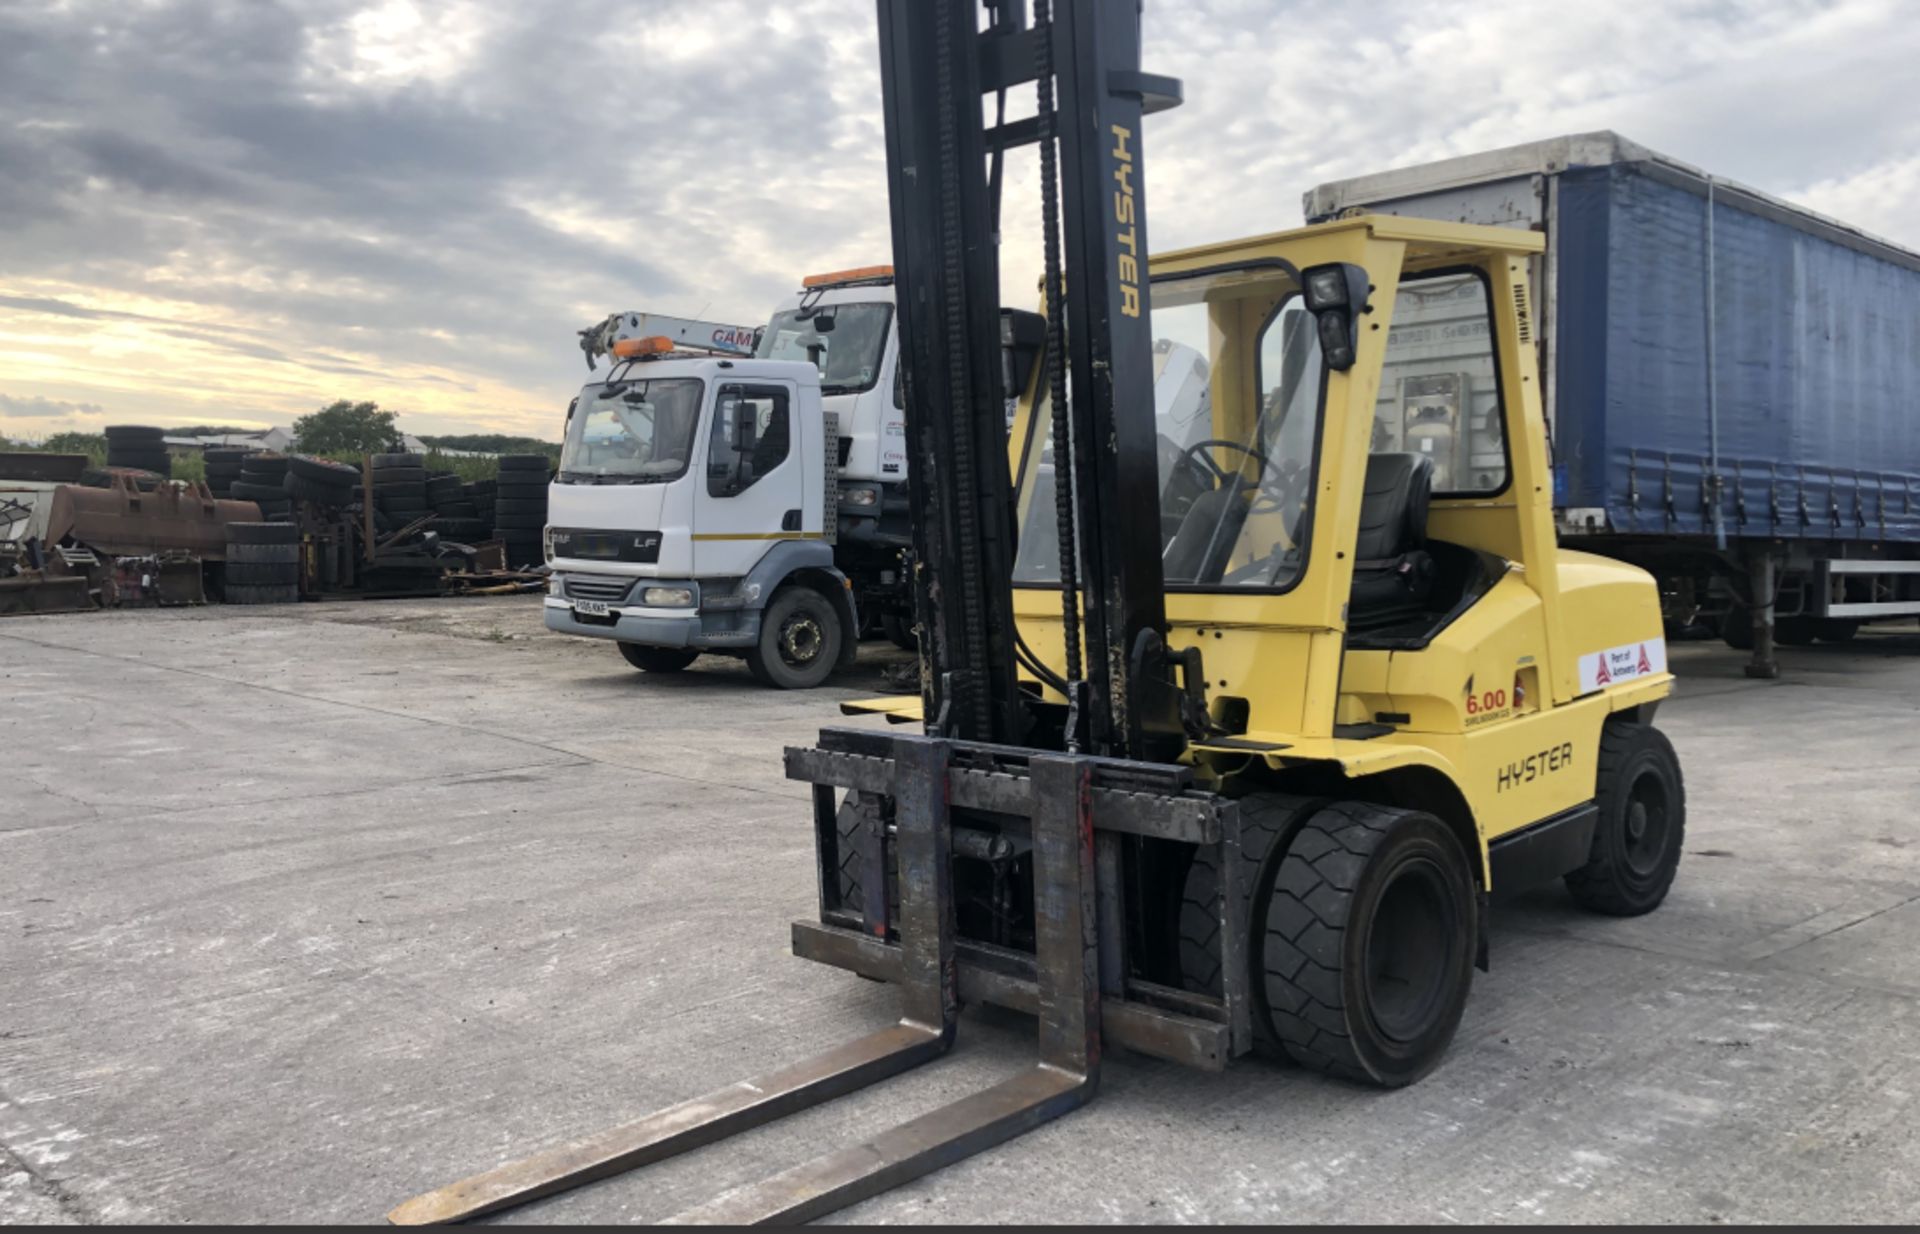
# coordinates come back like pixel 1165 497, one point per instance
pixel 1617 664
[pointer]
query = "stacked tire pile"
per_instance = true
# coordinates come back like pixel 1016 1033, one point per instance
pixel 138 447
pixel 457 515
pixel 223 468
pixel 399 489
pixel 520 508
pixel 319 482
pixel 263 480
pixel 263 563
pixel 482 493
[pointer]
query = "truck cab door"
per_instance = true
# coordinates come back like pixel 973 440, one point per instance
pixel 754 490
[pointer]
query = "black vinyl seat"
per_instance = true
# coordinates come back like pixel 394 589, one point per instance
pixel 1392 570
pixel 1200 550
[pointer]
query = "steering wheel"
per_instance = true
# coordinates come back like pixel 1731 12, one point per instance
pixel 1197 455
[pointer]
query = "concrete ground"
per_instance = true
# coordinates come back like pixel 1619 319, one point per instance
pixel 304 911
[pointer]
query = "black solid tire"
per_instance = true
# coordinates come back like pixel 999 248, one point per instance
pixel 263 573
pixel 510 489
pixel 1267 821
pixel 1642 825
pixel 400 477
pixel 253 490
pixel 520 463
pixel 800 640
pixel 324 471
pixel 261 595
pixel 265 554
pixel 853 822
pixel 658 659
pixel 261 533
pixel 385 462
pixel 1370 933
pixel 504 510
pixel 298 488
pixel 398 502
pixel 129 432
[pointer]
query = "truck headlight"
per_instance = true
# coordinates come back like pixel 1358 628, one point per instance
pixel 859 496
pixel 556 585
pixel 667 597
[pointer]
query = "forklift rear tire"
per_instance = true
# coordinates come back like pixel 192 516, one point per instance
pixel 1367 955
pixel 800 640
pixel 1642 824
pixel 658 659
pixel 1837 629
pixel 1798 631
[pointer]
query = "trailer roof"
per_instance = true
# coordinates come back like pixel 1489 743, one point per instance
pixel 1556 154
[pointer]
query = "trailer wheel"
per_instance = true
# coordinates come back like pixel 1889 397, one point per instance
pixel 1837 629
pixel 1369 943
pixel 1736 628
pixel 658 659
pixel 899 630
pixel 1642 823
pixel 1796 631
pixel 800 640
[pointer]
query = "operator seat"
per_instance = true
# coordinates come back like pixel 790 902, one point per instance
pixel 1392 571
pixel 1200 550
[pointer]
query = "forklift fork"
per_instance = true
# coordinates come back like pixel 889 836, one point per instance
pixel 1064 1078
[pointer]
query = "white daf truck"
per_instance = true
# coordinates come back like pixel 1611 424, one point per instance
pixel 752 506
pixel 758 506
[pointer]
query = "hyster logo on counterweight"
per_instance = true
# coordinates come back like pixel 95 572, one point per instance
pixel 1533 766
pixel 1127 236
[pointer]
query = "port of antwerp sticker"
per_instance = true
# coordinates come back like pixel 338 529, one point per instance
pixel 1617 664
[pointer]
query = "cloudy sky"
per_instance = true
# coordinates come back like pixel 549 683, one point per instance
pixel 232 211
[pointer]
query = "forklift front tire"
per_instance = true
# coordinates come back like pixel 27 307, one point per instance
pixel 1368 950
pixel 1642 824
pixel 800 640
pixel 658 659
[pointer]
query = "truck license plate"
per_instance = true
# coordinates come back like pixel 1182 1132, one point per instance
pixel 592 608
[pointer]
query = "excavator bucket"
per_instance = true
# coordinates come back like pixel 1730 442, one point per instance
pixel 1069 1005
pixel 122 521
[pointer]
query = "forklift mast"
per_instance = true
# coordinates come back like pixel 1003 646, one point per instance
pixel 938 67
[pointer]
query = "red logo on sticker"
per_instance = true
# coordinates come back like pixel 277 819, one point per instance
pixel 1603 677
pixel 1646 665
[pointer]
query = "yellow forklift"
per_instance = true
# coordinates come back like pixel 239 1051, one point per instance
pixel 1220 749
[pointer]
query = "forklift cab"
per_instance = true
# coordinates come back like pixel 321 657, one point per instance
pixel 1363 551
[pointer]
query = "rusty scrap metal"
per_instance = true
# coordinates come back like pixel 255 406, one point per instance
pixel 124 521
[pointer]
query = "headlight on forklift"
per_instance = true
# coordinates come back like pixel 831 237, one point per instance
pixel 1336 296
pixel 667 597
pixel 859 496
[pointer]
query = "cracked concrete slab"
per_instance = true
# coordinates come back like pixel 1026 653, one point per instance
pixel 307 910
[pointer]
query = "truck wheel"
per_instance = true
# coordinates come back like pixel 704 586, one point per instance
pixel 800 639
pixel 900 631
pixel 1369 943
pixel 1642 823
pixel 658 659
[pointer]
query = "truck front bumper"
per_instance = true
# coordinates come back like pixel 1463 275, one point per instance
pixel 727 629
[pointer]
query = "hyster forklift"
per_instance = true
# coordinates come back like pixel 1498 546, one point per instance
pixel 1221 750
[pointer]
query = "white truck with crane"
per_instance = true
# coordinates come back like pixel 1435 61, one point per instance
pixel 742 492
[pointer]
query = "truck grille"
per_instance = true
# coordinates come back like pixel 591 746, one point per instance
pixel 598 587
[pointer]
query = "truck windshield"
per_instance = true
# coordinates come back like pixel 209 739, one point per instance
pixel 631 432
pixel 1238 393
pixel 844 341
